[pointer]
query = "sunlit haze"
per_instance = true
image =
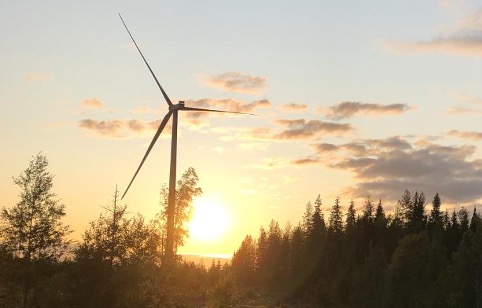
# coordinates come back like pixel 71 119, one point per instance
pixel 352 98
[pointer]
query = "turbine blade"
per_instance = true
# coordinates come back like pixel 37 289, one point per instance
pixel 156 136
pixel 148 66
pixel 214 110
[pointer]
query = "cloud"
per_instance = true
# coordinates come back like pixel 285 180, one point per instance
pixel 462 110
pixel 349 109
pixel 463 37
pixel 294 107
pixel 302 129
pixel 384 168
pixel 306 161
pixel 229 104
pixel 236 82
pixel 38 77
pixel 92 103
pixel 121 128
pixel 477 136
pixel 365 147
pixel 322 148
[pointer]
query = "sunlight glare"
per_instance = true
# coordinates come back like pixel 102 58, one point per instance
pixel 210 220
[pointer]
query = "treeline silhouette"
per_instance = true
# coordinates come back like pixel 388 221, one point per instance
pixel 118 263
pixel 416 257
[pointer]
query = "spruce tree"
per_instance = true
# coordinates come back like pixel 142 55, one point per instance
pixel 350 221
pixel 335 224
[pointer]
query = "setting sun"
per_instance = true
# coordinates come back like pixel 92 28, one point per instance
pixel 210 220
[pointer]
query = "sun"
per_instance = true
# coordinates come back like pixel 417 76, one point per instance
pixel 210 220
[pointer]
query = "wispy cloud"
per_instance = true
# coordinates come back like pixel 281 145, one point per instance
pixel 457 110
pixel 38 77
pixel 229 104
pixel 236 82
pixel 349 109
pixel 121 128
pixel 294 107
pixel 306 161
pixel 463 37
pixel 477 136
pixel 92 103
pixel 303 129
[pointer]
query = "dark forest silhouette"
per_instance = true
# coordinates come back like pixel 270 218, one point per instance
pixel 419 256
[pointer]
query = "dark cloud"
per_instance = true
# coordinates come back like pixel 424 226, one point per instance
pixel 236 82
pixel 386 167
pixel 349 109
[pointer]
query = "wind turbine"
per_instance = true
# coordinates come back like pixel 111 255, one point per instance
pixel 173 111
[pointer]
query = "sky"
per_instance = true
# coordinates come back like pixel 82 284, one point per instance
pixel 352 99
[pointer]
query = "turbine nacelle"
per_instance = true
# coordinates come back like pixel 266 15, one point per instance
pixel 178 106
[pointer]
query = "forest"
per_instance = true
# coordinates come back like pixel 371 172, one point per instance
pixel 417 256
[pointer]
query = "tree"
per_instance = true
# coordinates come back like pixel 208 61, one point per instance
pixel 351 216
pixel 187 189
pixel 435 214
pixel 316 230
pixel 104 240
pixel 418 220
pixel 244 261
pixel 32 229
pixel 367 215
pixel 335 220
pixel 404 207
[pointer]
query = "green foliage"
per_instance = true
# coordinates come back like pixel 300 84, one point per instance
pixel 187 188
pixel 33 235
pixel 32 229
